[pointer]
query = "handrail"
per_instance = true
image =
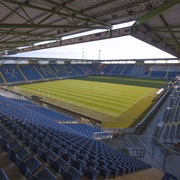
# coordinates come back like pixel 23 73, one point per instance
pixel 154 138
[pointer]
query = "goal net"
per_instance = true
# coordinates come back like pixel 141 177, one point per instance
pixel 40 93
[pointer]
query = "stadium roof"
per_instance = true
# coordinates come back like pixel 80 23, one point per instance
pixel 26 22
pixel 22 60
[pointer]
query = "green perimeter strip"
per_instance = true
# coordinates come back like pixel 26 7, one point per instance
pixel 133 115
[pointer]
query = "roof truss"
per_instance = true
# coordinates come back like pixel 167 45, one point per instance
pixel 26 22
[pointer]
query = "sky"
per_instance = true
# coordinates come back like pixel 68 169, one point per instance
pixel 126 47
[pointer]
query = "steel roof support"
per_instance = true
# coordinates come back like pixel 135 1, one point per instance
pixel 169 30
pixel 25 43
pixel 84 16
pixel 5 25
pixel 157 11
pixel 26 34
pixel 165 28
pixel 74 12
pixel 25 12
pixel 172 39
pixel 99 4
pixel 14 11
pixel 156 30
pixel 124 7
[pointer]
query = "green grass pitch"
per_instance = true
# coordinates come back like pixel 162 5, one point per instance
pixel 116 101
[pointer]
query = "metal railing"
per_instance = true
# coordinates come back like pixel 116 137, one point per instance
pixel 154 152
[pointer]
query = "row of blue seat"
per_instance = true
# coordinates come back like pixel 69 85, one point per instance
pixel 34 72
pixel 20 155
pixel 58 162
pixel 37 112
pixel 78 159
pixel 70 145
pixel 170 131
pixel 21 73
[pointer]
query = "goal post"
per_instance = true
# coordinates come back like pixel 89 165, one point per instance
pixel 40 92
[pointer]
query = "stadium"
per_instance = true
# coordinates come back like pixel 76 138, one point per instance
pixel 84 119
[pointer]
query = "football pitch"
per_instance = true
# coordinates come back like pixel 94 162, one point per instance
pixel 116 101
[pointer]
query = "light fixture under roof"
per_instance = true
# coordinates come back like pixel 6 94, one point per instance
pixel 149 6
pixel 130 12
pixel 114 16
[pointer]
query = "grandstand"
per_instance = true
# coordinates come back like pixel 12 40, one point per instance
pixel 35 72
pixel 43 140
pixel 169 132
pixel 59 141
pixel 15 73
pixel 55 136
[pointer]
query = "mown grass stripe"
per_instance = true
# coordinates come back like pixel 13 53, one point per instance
pixel 96 99
pixel 131 94
pixel 107 95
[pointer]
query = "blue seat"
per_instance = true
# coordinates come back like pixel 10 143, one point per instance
pixel 114 170
pixel 35 134
pixel 122 169
pixel 29 130
pixel 5 139
pixel 104 171
pixel 15 129
pixel 21 134
pixel 92 163
pixel 90 172
pixel 3 131
pixel 10 125
pixel 3 175
pixel 57 149
pixel 78 164
pixel 47 142
pixel 72 174
pixel 1 126
pixel 66 157
pixel 41 148
pixel 91 156
pixel 103 163
pixel 21 155
pixel 13 145
pixel 81 157
pixel 35 145
pixel 46 155
pixel 45 174
pixel 55 140
pixel 29 166
pixel 27 139
pixel 58 164
pixel 40 138
pixel 131 167
pixel 49 135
